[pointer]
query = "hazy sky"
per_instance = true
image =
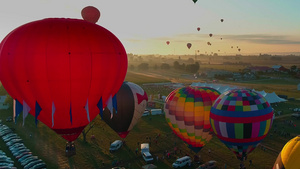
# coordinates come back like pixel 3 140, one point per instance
pixel 144 26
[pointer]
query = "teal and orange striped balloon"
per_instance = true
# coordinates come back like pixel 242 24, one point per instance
pixel 187 112
pixel 241 118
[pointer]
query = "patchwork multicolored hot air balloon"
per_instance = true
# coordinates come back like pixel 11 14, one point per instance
pixel 131 103
pixel 187 112
pixel 241 118
pixel 64 70
pixel 288 158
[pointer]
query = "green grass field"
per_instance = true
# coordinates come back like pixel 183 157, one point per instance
pixel 95 152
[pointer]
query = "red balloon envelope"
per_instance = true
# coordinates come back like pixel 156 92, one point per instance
pixel 67 68
pixel 90 14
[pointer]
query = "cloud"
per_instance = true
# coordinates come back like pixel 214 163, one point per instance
pixel 251 38
pixel 264 38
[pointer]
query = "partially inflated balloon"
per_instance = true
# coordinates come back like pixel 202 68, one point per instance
pixel 187 112
pixel 90 14
pixel 288 158
pixel 131 104
pixel 241 118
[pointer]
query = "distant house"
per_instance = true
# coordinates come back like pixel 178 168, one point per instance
pixel 256 69
pixel 3 105
pixel 213 73
pixel 279 68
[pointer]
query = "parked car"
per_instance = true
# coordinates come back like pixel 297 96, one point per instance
pixel 31 164
pixel 20 152
pixel 24 157
pixel 115 145
pixel 29 160
pixel 21 155
pixel 147 157
pixel 296 115
pixel 183 161
pixel 39 165
pixel 208 165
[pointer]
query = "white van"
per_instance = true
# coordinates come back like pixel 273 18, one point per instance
pixel 183 161
pixel 115 145
pixel 147 157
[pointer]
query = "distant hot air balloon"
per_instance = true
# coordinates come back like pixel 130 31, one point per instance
pixel 221 38
pixel 222 20
pixel 62 69
pixel 187 112
pixel 210 35
pixel 189 45
pixel 198 28
pixel 241 118
pixel 131 104
pixel 239 50
pixel 208 43
pixel 168 42
pixel 288 158
pixel 90 14
pixel 195 1
pixel 231 46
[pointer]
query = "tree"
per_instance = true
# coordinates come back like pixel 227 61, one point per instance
pixel 193 68
pixel 165 66
pixel 143 66
pixel 176 65
pixel 294 68
pixel 131 67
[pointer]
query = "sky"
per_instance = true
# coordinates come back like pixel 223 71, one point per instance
pixel 144 26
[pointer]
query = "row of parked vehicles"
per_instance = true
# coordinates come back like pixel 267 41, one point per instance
pixel 5 162
pixel 19 150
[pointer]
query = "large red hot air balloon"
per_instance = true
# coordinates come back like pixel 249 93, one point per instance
pixel 90 14
pixel 189 45
pixel 131 103
pixel 64 70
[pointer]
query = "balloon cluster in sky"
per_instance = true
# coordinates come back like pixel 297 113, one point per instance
pixel 210 35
